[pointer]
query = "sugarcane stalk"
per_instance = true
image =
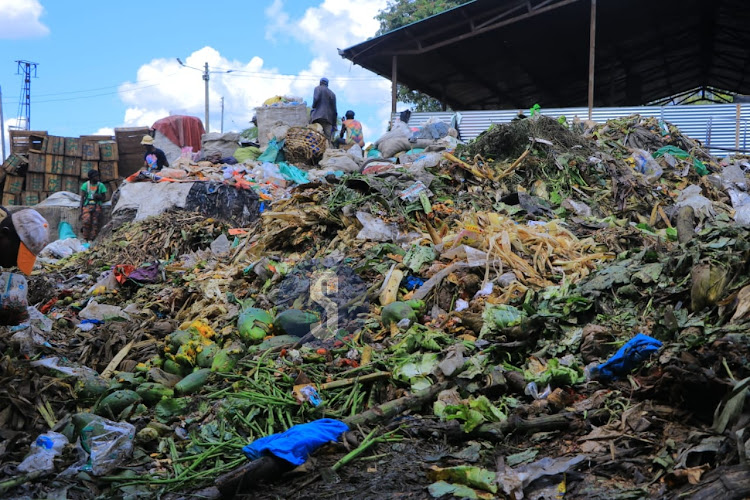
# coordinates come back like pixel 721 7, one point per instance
pixel 353 380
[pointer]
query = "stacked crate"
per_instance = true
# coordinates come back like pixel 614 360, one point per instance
pixel 42 164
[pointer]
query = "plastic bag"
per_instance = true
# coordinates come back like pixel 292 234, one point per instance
pixel 273 153
pixel 292 173
pixel 62 248
pixel 221 245
pixel 63 368
pixel 376 229
pixel 13 301
pixel 65 231
pixel 38 320
pixel 173 173
pixel 691 197
pixel 107 281
pixel 106 443
pixel 356 152
pixel 339 160
pixel 428 160
pixel 41 458
pixel 269 172
pixel 645 164
pixel 102 312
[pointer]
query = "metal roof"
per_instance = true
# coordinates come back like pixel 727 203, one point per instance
pixel 499 54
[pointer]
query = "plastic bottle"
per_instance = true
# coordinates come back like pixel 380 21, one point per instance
pixel 41 458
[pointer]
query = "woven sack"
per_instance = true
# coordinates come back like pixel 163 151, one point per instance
pixel 304 145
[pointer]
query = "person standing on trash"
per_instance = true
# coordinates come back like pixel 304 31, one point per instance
pixel 324 108
pixel 154 158
pixel 93 194
pixel 353 130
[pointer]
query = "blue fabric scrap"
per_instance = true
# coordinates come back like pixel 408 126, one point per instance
pixel 633 353
pixel 412 282
pixel 295 444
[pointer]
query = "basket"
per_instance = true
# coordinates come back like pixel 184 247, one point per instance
pixel 304 145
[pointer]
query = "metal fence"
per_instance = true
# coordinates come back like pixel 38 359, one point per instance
pixel 715 125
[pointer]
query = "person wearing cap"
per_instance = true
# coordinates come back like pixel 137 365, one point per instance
pixel 324 108
pixel 22 236
pixel 93 194
pixel 353 130
pixel 154 158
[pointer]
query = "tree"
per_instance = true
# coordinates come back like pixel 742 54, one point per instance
pixel 399 13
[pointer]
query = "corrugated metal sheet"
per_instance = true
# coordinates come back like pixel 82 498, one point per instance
pixel 713 124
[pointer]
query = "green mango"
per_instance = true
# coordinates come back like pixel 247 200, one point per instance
pixel 395 312
pixel 112 405
pixel 193 382
pixel 295 322
pixel 152 392
pixel 206 355
pixel 254 324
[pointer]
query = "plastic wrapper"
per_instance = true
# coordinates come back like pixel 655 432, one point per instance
pixel 63 368
pixel 102 312
pixel 106 444
pixel 41 457
pixel 60 249
pixel 691 197
pixel 13 301
pixel 645 164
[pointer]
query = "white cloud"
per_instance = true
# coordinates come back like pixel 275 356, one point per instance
pixel 105 131
pixel 163 87
pixel 20 19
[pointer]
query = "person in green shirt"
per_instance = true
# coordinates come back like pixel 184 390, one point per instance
pixel 93 194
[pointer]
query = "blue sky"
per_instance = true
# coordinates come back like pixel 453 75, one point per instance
pixel 103 65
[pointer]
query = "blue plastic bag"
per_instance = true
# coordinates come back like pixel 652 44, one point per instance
pixel 292 173
pixel 635 352
pixel 65 230
pixel 274 152
pixel 298 442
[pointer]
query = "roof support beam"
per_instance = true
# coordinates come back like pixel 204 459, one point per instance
pixel 394 83
pixel 485 29
pixel 592 56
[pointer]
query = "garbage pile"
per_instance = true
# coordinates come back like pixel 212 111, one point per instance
pixel 549 310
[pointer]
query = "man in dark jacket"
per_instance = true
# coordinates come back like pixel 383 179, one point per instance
pixel 324 108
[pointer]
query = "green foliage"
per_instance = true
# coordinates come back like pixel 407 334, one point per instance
pixel 399 13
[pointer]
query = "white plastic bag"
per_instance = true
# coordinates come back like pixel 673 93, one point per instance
pixel 376 229
pixel 41 458
pixel 63 368
pixel 13 301
pixel 107 444
pixel 645 164
pixel 428 160
pixel 339 160
pixel 691 197
pixel 62 248
pixel 102 312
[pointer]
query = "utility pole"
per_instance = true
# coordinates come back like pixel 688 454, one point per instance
pixel 24 104
pixel 2 128
pixel 205 78
pixel 222 114
pixel 206 74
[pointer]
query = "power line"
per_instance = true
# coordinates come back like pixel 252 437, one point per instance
pixel 133 89
pixel 272 76
pixel 94 90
